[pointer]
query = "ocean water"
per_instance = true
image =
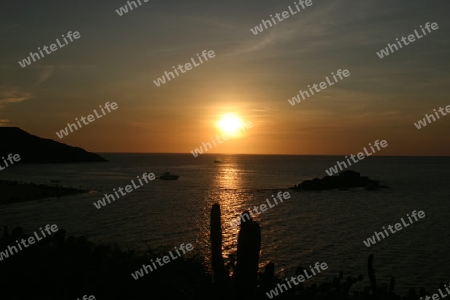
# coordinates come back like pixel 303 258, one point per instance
pixel 327 226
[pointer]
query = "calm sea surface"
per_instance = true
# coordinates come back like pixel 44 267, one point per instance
pixel 310 227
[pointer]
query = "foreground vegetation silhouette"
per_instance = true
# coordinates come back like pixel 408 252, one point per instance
pixel 60 267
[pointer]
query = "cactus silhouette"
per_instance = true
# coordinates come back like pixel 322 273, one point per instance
pixel 391 286
pixel 249 245
pixel 268 278
pixel 380 292
pixel 216 245
pixel 373 281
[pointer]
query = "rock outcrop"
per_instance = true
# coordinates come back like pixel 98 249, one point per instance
pixel 346 179
pixel 33 149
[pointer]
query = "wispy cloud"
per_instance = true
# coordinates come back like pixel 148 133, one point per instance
pixel 4 122
pixel 45 72
pixel 11 94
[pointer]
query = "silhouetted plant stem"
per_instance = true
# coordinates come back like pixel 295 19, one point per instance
pixel 216 245
pixel 373 282
pixel 249 246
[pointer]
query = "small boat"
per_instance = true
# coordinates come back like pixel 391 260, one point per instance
pixel 168 176
pixel 217 161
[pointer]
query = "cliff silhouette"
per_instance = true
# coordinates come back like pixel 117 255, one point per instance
pixel 33 149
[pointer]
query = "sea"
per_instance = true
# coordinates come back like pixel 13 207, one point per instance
pixel 309 227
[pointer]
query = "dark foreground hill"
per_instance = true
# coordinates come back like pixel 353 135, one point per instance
pixel 33 149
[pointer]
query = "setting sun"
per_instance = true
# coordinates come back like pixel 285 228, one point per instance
pixel 230 123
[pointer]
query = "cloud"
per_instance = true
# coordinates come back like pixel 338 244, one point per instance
pixel 11 94
pixel 44 73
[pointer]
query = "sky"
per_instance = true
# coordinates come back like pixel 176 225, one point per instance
pixel 117 58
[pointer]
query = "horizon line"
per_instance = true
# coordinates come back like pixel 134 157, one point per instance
pixel 276 154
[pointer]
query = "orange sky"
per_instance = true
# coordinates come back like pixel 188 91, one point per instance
pixel 253 76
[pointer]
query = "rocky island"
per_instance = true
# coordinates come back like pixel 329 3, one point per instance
pixel 17 191
pixel 344 180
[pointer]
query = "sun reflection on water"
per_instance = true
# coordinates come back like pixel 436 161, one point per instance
pixel 228 179
pixel 229 190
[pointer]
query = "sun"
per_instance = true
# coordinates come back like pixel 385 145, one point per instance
pixel 230 123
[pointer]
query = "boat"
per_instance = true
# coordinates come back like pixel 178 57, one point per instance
pixel 168 176
pixel 217 161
